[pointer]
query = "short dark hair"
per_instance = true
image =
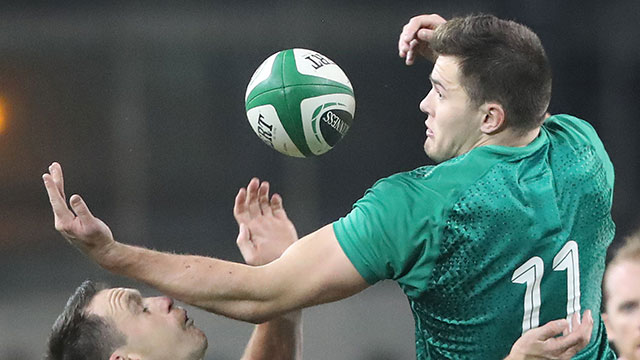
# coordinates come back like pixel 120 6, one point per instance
pixel 501 61
pixel 76 335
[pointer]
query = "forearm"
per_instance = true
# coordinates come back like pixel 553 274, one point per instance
pixel 298 279
pixel 280 338
pixel 234 290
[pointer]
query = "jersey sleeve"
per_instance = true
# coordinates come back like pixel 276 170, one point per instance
pixel 383 236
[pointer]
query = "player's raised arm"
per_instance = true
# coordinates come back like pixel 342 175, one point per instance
pixel 314 270
pixel 416 35
pixel 279 338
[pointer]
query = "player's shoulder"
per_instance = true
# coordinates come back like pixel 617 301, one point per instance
pixel 439 181
pixel 576 133
pixel 570 128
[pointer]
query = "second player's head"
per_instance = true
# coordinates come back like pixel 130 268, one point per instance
pixel 118 323
pixel 491 77
pixel 622 299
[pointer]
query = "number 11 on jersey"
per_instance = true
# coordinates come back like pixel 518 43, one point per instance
pixel 531 272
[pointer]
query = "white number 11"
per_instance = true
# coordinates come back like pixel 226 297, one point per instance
pixel 531 272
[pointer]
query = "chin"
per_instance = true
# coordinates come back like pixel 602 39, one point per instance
pixel 201 349
pixel 200 344
pixel 434 157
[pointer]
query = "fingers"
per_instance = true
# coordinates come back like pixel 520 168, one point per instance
pixel 550 329
pixel 80 208
pixel 263 199
pixel 411 54
pixel 252 198
pixel 240 206
pixel 583 329
pixel 56 173
pixel 574 322
pixel 277 208
pixel 572 343
pixel 419 27
pixel 252 201
pixel 58 204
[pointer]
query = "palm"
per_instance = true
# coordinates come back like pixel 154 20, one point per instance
pixel 265 230
pixel 88 234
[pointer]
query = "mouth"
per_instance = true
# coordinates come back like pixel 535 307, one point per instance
pixel 429 133
pixel 187 320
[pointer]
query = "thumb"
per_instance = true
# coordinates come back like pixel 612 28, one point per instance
pixel 244 236
pixel 80 207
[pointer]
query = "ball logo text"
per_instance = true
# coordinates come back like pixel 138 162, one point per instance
pixel 265 131
pixel 318 60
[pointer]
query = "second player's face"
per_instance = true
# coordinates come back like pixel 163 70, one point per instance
pixel 622 316
pixel 453 122
pixel 153 327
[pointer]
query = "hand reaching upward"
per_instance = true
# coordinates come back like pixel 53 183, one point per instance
pixel 83 230
pixel 265 230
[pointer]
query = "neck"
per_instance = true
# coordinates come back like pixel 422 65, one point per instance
pixel 508 137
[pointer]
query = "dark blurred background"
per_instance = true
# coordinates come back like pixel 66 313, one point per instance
pixel 142 104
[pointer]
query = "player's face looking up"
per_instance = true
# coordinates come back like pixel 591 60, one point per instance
pixel 453 121
pixel 153 327
pixel 623 307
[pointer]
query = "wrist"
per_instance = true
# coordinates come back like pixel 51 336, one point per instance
pixel 111 256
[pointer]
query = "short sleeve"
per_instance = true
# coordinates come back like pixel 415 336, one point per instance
pixel 384 235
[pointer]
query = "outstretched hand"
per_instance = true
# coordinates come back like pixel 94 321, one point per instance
pixel 543 342
pixel 83 230
pixel 265 230
pixel 416 35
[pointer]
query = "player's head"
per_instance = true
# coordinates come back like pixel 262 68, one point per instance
pixel 622 299
pixel 491 76
pixel 118 323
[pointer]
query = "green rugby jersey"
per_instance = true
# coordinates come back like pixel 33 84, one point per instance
pixel 493 242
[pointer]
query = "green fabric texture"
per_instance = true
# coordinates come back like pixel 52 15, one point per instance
pixel 455 237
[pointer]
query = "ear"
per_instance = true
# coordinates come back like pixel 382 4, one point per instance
pixel 494 119
pixel 607 325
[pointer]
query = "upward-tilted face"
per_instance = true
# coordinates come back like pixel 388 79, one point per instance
pixel 453 122
pixel 622 316
pixel 154 327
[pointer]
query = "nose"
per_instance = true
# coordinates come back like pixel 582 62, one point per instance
pixel 426 103
pixel 163 304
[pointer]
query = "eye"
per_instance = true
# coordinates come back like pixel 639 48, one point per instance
pixel 628 307
pixel 145 309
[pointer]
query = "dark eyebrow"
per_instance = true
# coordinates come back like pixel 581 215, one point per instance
pixel 436 82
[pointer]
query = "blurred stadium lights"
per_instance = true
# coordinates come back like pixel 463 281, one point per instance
pixel 3 115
